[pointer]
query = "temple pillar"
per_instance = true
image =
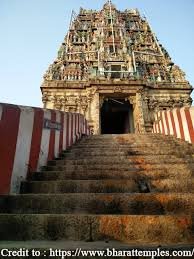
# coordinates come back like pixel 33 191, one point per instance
pixel 138 113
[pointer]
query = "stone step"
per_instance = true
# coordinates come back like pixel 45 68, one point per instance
pixel 140 164
pixel 86 153
pixel 92 161
pixel 169 185
pixel 82 174
pixel 134 144
pixel 129 152
pixel 81 186
pixel 122 149
pixel 115 150
pixel 75 168
pixel 98 148
pixel 99 203
pixel 126 145
pixel 140 139
pixel 89 174
pixel 121 159
pixel 152 229
pixel 117 141
pixel 133 138
pixel 128 138
pixel 172 152
pixel 167 159
pixel 108 186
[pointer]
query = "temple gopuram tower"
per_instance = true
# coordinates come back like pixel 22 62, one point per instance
pixel 112 68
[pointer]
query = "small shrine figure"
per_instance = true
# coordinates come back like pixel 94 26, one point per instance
pixel 177 74
pixel 61 51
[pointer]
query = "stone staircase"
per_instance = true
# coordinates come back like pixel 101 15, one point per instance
pixel 134 189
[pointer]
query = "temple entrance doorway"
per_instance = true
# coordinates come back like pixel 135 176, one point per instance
pixel 116 116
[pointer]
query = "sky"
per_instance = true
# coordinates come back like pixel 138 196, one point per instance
pixel 31 32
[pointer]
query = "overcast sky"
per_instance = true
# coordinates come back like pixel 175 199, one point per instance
pixel 31 32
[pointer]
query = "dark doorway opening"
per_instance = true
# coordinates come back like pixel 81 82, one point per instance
pixel 116 117
pixel 114 73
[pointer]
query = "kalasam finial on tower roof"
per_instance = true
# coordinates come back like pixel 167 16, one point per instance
pixel 108 4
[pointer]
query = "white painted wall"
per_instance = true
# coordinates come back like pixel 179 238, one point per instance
pixel 57 134
pixel 191 110
pixel 44 148
pixel 22 153
pixel 65 132
pixel 185 125
pixel 176 123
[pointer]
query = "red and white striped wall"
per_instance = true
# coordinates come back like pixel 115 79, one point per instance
pixel 178 122
pixel 27 142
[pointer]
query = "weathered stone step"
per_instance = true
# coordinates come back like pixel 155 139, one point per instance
pixel 167 159
pixel 97 174
pixel 170 229
pixel 134 203
pixel 132 135
pixel 108 186
pixel 121 159
pixel 89 174
pixel 129 141
pixel 119 166
pixel 75 168
pixel 158 148
pixel 114 143
pixel 175 185
pixel 124 145
pixel 128 136
pixel 98 148
pixel 86 153
pixel 116 150
pixel 93 160
pixel 178 152
pixel 138 139
pixel 80 186
pixel 129 152
pixel 82 174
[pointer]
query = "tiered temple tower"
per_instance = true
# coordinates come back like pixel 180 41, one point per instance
pixel 112 68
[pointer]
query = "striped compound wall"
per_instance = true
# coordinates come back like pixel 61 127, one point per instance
pixel 29 137
pixel 177 122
